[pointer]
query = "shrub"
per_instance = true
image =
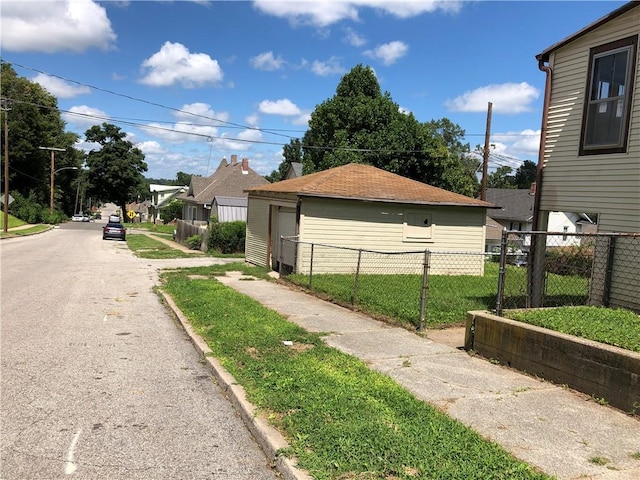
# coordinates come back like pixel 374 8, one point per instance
pixel 227 237
pixel 194 242
pixel 172 211
pixel 572 260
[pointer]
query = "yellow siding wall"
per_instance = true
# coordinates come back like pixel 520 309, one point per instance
pixel 379 227
pixel 257 231
pixel 605 184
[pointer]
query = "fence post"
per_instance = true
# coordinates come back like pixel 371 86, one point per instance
pixel 281 256
pixel 501 272
pixel 606 294
pixel 311 269
pixel 424 291
pixel 354 298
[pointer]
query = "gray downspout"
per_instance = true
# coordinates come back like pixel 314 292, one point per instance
pixel 536 261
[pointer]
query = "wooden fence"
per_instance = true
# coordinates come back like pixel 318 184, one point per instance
pixel 186 229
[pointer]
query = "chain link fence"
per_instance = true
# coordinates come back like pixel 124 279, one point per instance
pixel 437 288
pixel 559 269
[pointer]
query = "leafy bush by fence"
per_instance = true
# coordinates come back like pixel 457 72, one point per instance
pixel 228 237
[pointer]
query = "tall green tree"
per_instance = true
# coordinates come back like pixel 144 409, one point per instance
pixel 361 124
pixel 115 170
pixel 526 174
pixel 34 121
pixel 501 178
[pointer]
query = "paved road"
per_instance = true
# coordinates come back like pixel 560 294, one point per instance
pixel 97 382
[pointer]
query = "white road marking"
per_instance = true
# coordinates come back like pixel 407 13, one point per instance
pixel 70 466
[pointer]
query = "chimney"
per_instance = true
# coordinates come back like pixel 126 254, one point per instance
pixel 234 159
pixel 245 166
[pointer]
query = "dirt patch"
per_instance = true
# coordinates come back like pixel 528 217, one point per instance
pixel 454 337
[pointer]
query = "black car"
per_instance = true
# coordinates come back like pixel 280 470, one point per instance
pixel 114 230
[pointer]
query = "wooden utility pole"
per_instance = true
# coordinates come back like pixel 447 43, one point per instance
pixel 6 106
pixel 485 161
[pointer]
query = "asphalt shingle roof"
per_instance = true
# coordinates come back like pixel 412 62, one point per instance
pixel 516 204
pixel 364 182
pixel 227 181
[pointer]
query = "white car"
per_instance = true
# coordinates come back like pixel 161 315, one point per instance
pixel 78 217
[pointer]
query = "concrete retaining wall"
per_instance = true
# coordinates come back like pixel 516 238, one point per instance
pixel 599 370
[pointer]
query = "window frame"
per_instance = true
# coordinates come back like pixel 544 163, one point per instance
pixel 630 44
pixel 412 232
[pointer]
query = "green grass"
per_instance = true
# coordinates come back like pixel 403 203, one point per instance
pixel 617 327
pixel 342 420
pixel 25 231
pixel 157 228
pixel 449 297
pixel 13 221
pixel 146 247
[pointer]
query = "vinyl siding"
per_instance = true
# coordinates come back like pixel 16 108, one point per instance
pixel 379 227
pixel 605 184
pixel 256 251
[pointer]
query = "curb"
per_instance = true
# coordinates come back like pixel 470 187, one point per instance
pixel 51 227
pixel 269 439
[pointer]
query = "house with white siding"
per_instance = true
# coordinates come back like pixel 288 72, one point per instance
pixel 589 158
pixel 359 206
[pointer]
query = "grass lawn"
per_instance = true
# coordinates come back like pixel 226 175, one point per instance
pixel 342 420
pixel 617 327
pixel 13 221
pixel 146 247
pixel 157 228
pixel 24 231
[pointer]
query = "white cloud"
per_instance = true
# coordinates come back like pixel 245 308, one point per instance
pixel 83 116
pixel 316 13
pixel 180 132
pixel 330 67
pixel 60 88
pixel 388 53
pixel 200 113
pixel 266 61
pixel 68 25
pixel 525 143
pixel 509 98
pixel 353 38
pixel 280 107
pixel 151 147
pixel 327 12
pixel 174 64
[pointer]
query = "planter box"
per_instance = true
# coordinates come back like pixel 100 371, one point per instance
pixel 596 369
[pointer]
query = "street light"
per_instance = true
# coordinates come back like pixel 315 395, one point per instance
pixel 53 171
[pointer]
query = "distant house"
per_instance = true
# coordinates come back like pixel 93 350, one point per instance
pixel 161 196
pixel 360 206
pixel 141 211
pixel 294 170
pixel 221 195
pixel 590 147
pixel 516 213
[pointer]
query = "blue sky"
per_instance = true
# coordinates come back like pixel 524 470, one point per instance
pixel 191 82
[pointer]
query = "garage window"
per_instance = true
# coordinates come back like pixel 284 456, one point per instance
pixel 417 226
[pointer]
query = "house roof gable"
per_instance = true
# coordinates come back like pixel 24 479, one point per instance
pixel 364 182
pixel 544 55
pixel 515 204
pixel 229 180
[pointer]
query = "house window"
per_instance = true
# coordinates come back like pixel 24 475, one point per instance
pixel 417 226
pixel 605 119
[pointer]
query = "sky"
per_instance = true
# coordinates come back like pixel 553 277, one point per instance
pixel 192 82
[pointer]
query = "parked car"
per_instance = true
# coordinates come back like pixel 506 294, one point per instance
pixel 86 218
pixel 114 219
pixel 78 217
pixel 114 230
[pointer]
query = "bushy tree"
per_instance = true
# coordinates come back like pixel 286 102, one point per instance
pixel 361 124
pixel 526 174
pixel 115 169
pixel 172 211
pixel 501 178
pixel 34 121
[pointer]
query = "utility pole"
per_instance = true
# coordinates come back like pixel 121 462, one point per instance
pixel 53 171
pixel 485 161
pixel 5 106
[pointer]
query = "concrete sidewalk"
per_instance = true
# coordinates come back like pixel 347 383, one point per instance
pixel 559 431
